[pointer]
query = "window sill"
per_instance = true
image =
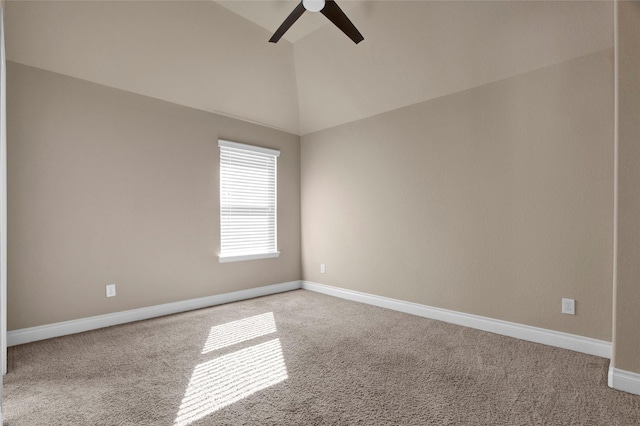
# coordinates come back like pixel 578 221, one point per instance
pixel 227 259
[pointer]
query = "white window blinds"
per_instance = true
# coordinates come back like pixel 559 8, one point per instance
pixel 248 210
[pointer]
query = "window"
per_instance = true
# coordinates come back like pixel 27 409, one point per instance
pixel 248 227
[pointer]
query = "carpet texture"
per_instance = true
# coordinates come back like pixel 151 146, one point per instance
pixel 302 358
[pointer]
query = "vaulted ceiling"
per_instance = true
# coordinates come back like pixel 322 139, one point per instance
pixel 214 56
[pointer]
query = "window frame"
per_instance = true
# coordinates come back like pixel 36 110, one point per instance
pixel 222 258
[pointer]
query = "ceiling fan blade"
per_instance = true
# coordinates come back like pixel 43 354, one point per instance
pixel 293 17
pixel 333 12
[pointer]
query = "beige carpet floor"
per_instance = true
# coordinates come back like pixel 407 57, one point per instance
pixel 302 358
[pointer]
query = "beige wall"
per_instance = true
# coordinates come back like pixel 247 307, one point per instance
pixel 494 201
pixel 484 185
pixel 107 186
pixel 626 343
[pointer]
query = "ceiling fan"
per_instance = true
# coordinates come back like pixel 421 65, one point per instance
pixel 328 8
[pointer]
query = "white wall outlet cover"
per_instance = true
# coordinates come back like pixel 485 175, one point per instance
pixel 111 290
pixel 322 268
pixel 569 306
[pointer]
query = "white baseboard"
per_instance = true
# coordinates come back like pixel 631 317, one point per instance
pixel 624 380
pixel 32 334
pixel 519 331
pixel 532 334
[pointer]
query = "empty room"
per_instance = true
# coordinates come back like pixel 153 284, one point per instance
pixel 318 212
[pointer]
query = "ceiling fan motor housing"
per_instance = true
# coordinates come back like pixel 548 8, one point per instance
pixel 313 5
pixel 330 9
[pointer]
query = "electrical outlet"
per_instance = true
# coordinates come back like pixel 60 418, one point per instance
pixel 111 290
pixel 569 306
pixel 322 268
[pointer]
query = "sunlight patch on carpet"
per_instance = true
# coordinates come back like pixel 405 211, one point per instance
pixel 229 378
pixel 231 333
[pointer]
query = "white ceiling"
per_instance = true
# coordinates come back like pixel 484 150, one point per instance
pixel 269 14
pixel 215 55
pixel 415 51
pixel 193 53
